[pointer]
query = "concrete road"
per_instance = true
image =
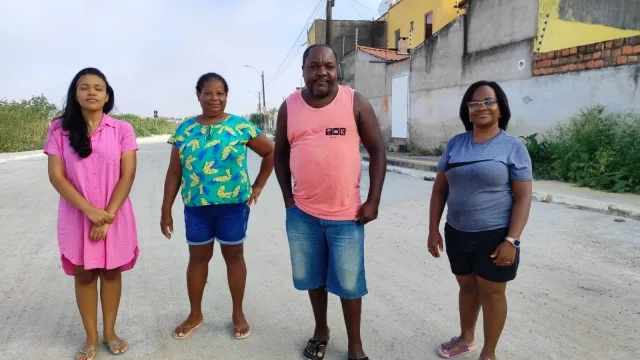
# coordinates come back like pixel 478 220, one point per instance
pixel 576 296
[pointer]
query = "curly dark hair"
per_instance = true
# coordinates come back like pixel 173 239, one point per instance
pixel 503 103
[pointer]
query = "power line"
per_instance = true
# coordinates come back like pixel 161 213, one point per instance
pixel 298 54
pixel 375 11
pixel 314 12
pixel 356 10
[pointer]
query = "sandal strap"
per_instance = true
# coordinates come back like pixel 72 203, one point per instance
pixel 319 346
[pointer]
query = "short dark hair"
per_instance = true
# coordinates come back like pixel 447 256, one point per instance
pixel 503 104
pixel 308 50
pixel 211 76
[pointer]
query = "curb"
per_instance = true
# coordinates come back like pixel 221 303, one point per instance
pixel 581 203
pixel 25 155
pixel 427 166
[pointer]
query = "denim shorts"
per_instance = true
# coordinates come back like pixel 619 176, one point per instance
pixel 225 223
pixel 326 253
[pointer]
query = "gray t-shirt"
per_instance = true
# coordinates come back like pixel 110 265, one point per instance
pixel 479 176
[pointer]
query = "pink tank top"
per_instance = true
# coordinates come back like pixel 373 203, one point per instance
pixel 325 156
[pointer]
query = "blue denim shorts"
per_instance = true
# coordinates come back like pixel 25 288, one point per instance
pixel 326 253
pixel 225 223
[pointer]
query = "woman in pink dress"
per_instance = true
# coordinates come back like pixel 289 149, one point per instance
pixel 92 164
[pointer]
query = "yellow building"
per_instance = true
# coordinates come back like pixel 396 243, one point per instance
pixel 561 27
pixel 418 20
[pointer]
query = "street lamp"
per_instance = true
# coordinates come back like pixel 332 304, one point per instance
pixel 264 98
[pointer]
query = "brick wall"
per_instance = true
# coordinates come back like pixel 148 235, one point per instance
pixel 618 52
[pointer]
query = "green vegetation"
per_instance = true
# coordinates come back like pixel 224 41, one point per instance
pixel 595 149
pixel 24 124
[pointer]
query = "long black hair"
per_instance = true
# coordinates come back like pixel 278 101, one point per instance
pixel 503 104
pixel 72 120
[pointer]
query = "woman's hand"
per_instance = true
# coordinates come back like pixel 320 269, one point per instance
pixel 99 232
pixel 166 224
pixel 505 254
pixel 435 243
pixel 255 194
pixel 99 216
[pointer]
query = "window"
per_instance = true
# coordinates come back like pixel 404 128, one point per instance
pixel 428 26
pixel 397 38
pixel 411 26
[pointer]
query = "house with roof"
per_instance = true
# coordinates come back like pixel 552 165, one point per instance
pixel 552 57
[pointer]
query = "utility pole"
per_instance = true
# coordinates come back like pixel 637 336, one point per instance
pixel 264 98
pixel 259 107
pixel 330 4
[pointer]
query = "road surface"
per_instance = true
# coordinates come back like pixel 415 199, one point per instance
pixel 576 296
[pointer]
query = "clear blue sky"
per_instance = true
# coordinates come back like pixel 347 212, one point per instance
pixel 153 51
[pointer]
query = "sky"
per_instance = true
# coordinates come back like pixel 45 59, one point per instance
pixel 153 51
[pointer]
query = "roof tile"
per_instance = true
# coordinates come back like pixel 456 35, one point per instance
pixel 384 54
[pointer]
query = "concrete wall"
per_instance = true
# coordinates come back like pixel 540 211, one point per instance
pixel 370 33
pixel 621 14
pixel 568 23
pixel 441 71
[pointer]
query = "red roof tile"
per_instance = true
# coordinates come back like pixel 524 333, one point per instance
pixel 384 54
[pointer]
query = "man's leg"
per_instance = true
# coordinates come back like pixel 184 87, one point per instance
pixel 346 276
pixel 308 249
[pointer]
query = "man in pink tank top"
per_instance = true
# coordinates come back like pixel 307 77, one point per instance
pixel 319 131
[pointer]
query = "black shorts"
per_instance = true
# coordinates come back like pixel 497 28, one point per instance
pixel 470 253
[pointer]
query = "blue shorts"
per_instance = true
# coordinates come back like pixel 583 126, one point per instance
pixel 326 253
pixel 225 223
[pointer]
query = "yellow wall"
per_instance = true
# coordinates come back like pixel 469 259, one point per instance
pixel 562 34
pixel 402 13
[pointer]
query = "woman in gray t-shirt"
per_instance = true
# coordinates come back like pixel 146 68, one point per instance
pixel 484 178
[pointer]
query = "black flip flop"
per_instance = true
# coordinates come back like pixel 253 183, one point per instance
pixel 319 346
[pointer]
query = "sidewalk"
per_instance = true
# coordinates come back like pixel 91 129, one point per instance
pixel 625 205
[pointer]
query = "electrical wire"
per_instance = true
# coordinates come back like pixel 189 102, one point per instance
pixel 279 70
pixel 356 10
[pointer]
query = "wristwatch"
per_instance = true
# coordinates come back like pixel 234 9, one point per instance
pixel 514 242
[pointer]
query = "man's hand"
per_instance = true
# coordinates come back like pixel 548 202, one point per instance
pixel 367 213
pixel 99 232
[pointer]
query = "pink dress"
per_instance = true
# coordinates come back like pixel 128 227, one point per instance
pixel 95 177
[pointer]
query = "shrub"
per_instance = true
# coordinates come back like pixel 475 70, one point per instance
pixel 595 149
pixel 24 124
pixel 148 126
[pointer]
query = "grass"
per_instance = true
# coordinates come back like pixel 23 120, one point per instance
pixel 24 124
pixel 595 149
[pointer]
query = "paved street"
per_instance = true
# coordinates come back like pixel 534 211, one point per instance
pixel 576 296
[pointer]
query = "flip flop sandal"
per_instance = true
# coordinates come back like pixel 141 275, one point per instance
pixel 88 354
pixel 362 358
pixel 117 345
pixel 455 348
pixel 319 349
pixel 240 337
pixel 185 334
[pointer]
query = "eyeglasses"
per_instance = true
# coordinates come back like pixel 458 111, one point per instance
pixel 477 105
